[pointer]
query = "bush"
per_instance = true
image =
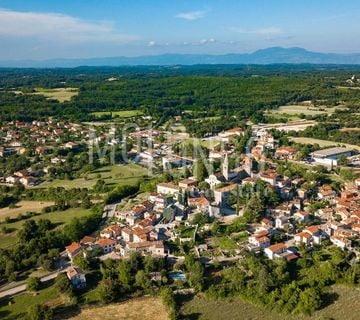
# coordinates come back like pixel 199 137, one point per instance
pixel 63 284
pixel 167 298
pixel 120 192
pixel 33 284
pixel 106 291
pixel 39 312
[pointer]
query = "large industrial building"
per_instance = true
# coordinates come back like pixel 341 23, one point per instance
pixel 331 156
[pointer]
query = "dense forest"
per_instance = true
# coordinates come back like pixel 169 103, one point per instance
pixel 165 91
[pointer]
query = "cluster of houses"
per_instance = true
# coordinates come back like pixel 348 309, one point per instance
pixel 39 138
pixel 27 177
pixel 147 226
pixel 291 220
pixel 42 134
pixel 338 221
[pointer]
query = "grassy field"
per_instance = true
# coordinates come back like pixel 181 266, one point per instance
pixel 58 217
pixel 17 309
pixel 60 94
pixel 305 109
pixel 146 308
pixel 347 88
pixel 119 114
pixel 207 143
pixel 344 303
pixel 187 232
pixel 226 243
pixel 322 143
pixel 23 207
pixel 207 118
pixel 128 174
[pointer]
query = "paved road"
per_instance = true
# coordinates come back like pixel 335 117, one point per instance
pixel 12 291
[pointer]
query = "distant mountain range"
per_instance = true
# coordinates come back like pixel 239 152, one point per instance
pixel 275 55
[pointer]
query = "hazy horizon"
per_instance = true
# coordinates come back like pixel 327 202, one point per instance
pixel 40 29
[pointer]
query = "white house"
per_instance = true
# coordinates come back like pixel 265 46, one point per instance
pixel 222 193
pixel 275 249
pixel 260 239
pixel 281 222
pixel 167 188
pixel 303 237
pixel 107 245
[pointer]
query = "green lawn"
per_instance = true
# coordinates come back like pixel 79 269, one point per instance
pixel 58 217
pixel 187 232
pixel 240 237
pixel 90 294
pixel 20 303
pixel 226 243
pixel 119 114
pixel 128 174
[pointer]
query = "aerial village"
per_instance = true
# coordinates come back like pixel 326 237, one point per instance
pixel 303 215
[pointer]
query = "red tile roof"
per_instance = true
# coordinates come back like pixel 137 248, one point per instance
pixel 87 239
pixel 73 247
pixel 312 229
pixel 304 235
pixel 106 242
pixel 198 201
pixel 278 246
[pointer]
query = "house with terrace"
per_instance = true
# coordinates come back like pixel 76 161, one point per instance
pixel 280 251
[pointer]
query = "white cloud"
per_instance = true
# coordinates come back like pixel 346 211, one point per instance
pixel 56 26
pixel 192 15
pixel 206 41
pixel 201 42
pixel 261 31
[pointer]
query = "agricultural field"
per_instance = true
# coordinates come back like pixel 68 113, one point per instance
pixel 294 110
pixel 129 174
pixel 322 143
pixel 340 298
pixel 146 308
pixel 57 217
pixel 23 207
pixel 59 94
pixel 119 114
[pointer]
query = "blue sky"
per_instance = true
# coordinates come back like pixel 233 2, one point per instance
pixel 41 29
